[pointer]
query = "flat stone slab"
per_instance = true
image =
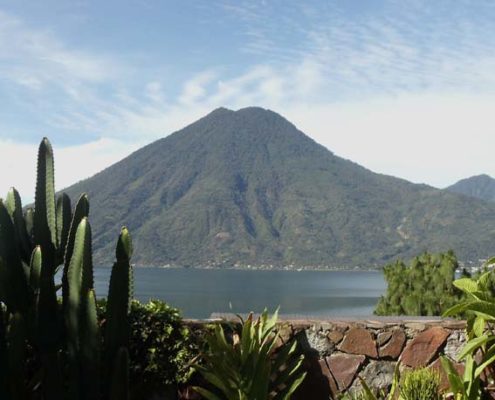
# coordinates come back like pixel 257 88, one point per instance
pixel 335 336
pixel 325 371
pixel 394 346
pixel 344 368
pixel 424 347
pixel 359 341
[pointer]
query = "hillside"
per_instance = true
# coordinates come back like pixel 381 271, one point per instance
pixel 248 187
pixel 479 186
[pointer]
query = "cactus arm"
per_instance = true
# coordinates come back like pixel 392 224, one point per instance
pixel 52 378
pixel 15 288
pixel 35 269
pixel 64 218
pixel 81 211
pixel 44 222
pixel 119 385
pixel 118 304
pixel 4 361
pixel 48 329
pixel 16 338
pixel 47 310
pixel 29 218
pixel 13 204
pixel 79 283
pixel 90 347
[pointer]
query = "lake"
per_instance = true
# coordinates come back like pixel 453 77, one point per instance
pixel 200 292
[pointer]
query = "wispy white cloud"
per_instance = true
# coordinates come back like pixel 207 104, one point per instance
pixel 366 87
pixel 405 46
pixel 35 58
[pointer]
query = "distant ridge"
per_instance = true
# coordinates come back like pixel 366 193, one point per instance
pixel 479 186
pixel 247 187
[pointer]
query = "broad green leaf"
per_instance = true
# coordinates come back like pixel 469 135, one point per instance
pixel 467 285
pixel 472 345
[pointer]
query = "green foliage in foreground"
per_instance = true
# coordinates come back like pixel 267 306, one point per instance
pixel 61 339
pixel 160 347
pixel 420 384
pixel 417 384
pixel 424 287
pixel 479 351
pixel 252 365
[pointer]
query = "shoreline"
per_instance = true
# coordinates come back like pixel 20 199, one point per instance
pixel 257 268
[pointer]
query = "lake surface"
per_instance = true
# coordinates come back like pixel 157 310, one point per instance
pixel 199 293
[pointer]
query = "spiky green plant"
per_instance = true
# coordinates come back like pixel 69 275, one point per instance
pixel 65 337
pixel 420 384
pixel 250 366
pixel 479 351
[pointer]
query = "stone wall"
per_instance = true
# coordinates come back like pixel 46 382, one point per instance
pixel 338 351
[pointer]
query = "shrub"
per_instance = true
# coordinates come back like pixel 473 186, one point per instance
pixel 252 363
pixel 424 287
pixel 51 348
pixel 160 347
pixel 420 384
pixel 479 351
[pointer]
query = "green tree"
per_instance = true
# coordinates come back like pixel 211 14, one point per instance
pixel 424 287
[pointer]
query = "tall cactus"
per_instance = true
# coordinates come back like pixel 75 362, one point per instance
pixel 66 337
pixel 5 392
pixel 14 288
pixel 64 218
pixel 44 221
pixel 80 316
pixel 81 211
pixel 118 305
pixel 14 207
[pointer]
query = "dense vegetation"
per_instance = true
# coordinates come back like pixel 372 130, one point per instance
pixel 424 287
pixel 248 187
pixel 57 342
pixel 59 339
pixel 251 362
pixel 480 186
pixel 160 348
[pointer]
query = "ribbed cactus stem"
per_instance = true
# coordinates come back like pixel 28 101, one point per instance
pixel 81 211
pixel 13 204
pixel 14 289
pixel 44 223
pixel 119 298
pixel 35 269
pixel 64 218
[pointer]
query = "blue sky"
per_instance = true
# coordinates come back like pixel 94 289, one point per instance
pixel 405 88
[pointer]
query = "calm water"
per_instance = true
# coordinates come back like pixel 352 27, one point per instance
pixel 198 293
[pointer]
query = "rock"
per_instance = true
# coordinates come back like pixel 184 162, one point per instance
pixel 383 337
pixel 393 348
pixel 454 324
pixel 325 371
pixel 335 336
pixel 455 343
pixel 359 341
pixel 378 375
pixel 344 368
pixel 375 324
pixel 424 347
pixel 319 383
pixel 318 341
pixel 285 332
pixel 416 326
pixel 444 381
